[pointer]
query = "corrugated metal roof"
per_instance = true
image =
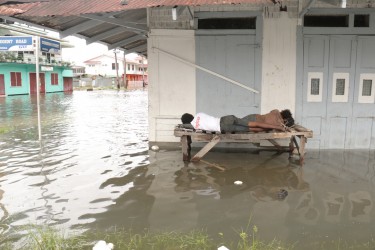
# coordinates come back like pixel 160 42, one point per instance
pixel 131 17
pixel 77 7
pixel 11 10
pixel 20 1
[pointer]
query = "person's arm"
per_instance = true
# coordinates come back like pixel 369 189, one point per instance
pixel 263 125
pixel 258 130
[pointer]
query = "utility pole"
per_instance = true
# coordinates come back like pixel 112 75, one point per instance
pixel 116 65
pixel 143 72
pixel 37 44
pixel 124 79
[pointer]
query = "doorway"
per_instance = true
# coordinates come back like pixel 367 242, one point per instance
pixel 338 90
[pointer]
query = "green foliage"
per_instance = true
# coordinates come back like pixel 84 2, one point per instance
pixel 128 240
pixel 7 56
pixel 4 130
pixel 44 237
pixel 40 238
pixel 2 57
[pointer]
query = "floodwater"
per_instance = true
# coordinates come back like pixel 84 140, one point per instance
pixel 94 170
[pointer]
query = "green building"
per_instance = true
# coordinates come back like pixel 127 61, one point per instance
pixel 18 68
pixel 19 78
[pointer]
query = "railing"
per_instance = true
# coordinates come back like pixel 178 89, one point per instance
pixel 32 60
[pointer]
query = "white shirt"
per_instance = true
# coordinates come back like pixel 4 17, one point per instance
pixel 206 122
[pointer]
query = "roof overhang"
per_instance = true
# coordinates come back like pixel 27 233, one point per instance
pixel 119 24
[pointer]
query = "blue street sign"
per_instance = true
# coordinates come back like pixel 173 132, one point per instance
pixel 16 43
pixel 50 46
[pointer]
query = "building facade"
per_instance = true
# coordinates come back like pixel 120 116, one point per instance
pixel 314 58
pixel 18 73
pixel 18 78
pixel 104 65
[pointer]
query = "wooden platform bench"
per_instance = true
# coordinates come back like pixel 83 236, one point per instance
pixel 212 138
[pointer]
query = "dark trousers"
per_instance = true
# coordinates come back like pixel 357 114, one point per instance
pixel 231 123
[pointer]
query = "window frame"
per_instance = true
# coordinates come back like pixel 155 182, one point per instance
pixel 54 79
pixel 366 99
pixel 340 76
pixel 310 97
pixel 15 79
pixel 114 66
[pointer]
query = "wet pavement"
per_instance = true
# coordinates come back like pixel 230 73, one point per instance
pixel 94 170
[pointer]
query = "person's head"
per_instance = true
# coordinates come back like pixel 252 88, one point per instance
pixel 187 118
pixel 287 117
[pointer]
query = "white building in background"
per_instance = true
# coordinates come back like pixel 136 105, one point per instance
pixel 105 65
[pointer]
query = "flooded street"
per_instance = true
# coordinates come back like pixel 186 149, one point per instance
pixel 94 170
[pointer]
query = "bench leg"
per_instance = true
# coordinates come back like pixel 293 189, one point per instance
pixel 206 148
pixel 186 147
pixel 291 146
pixel 302 149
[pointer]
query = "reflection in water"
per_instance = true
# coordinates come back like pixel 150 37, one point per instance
pixel 262 175
pixel 94 170
pixel 3 212
pixel 361 206
pixel 327 199
pixel 130 209
pixel 88 139
pixel 262 183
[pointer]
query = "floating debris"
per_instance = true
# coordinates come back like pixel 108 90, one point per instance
pixel 102 245
pixel 282 194
pixel 223 248
pixel 238 183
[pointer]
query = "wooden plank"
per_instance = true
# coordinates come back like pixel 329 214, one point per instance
pixel 187 135
pixel 206 148
pixel 186 148
pixel 245 136
pixel 214 165
pixel 291 146
pixel 302 152
pixel 300 128
pixel 277 145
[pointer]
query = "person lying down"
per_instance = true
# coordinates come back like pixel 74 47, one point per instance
pixel 277 120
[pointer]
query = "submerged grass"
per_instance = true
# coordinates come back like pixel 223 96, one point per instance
pixel 4 130
pixel 44 237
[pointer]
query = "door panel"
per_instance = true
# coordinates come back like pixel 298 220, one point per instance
pixel 314 105
pixel 366 52
pixel 362 130
pixel 33 90
pixel 2 84
pixel 342 70
pixel 42 83
pixel 68 84
pixel 363 111
pixel 337 132
pixel 232 56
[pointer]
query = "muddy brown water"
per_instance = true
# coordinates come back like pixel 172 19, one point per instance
pixel 94 169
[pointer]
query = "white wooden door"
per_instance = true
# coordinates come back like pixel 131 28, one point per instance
pixel 233 56
pixel 338 91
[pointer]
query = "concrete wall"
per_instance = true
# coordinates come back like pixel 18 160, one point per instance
pixel 54 88
pixel 279 63
pixel 25 88
pixel 171 82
